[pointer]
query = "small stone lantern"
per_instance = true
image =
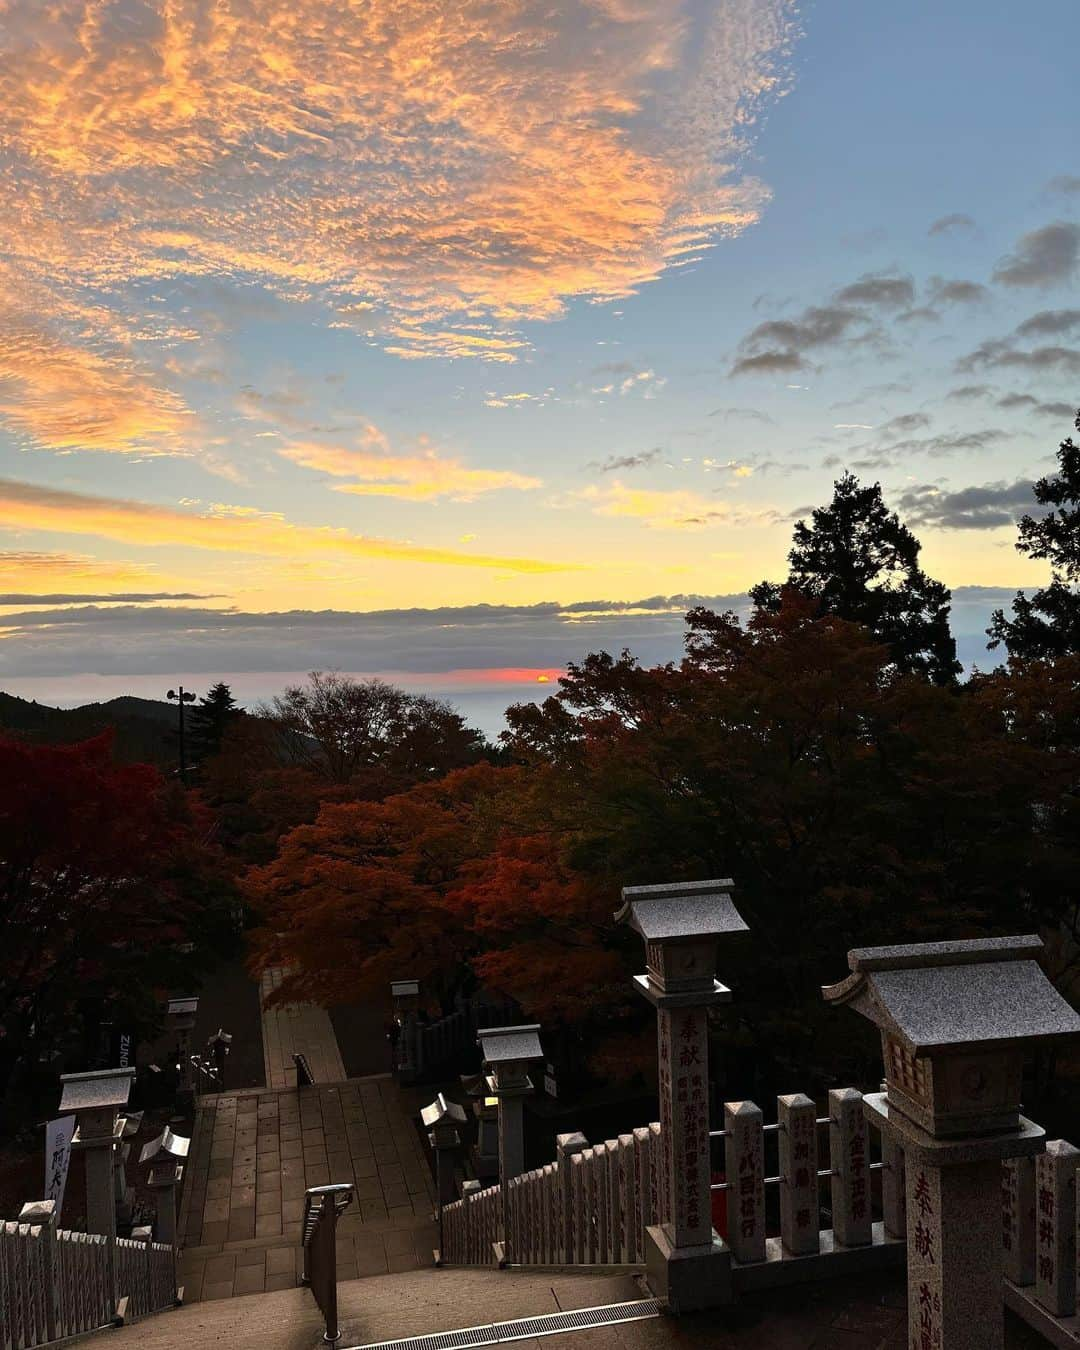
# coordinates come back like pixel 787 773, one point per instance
pixel 688 1266
pixel 166 1171
pixel 955 1021
pixel 508 1051
pixel 443 1119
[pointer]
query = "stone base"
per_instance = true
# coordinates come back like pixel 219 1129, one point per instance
pixel 686 1279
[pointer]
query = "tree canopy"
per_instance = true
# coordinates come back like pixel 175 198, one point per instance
pixel 858 560
pixel 1048 624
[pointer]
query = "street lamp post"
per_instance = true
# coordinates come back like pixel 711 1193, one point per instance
pixel 180 697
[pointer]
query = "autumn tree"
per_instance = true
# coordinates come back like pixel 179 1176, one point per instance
pixel 350 730
pixel 859 561
pixel 1048 624
pixel 101 888
pixel 358 896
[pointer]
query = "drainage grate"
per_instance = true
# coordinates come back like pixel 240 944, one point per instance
pixel 577 1319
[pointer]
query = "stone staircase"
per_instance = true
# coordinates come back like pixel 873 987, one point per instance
pixel 255 1152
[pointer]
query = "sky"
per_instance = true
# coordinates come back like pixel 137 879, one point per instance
pixel 449 339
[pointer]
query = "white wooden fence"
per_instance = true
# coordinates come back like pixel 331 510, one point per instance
pixel 55 1283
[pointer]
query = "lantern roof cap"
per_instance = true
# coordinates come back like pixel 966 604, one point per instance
pixel 166 1142
pixel 404 988
pixel 178 1007
pixel 948 995
pixel 95 1090
pixel 687 910
pixel 500 1045
pixel 441 1111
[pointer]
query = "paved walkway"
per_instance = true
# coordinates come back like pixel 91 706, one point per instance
pixel 297 1028
pixel 862 1313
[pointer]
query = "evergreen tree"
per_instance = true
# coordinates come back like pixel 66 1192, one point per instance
pixel 211 717
pixel 860 562
pixel 1048 624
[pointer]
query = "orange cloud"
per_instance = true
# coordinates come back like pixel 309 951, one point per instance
pixel 423 476
pixel 224 528
pixel 435 173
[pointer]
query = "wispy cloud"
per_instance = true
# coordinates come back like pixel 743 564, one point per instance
pixel 957 220
pixel 375 469
pixel 223 528
pixel 675 509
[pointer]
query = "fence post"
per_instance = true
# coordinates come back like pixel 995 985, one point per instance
pixel 955 1018
pixel 849 1158
pixel 1018 1219
pixel 1055 1227
pixel 800 1214
pixel 744 1163
pixel 688 1266
pixel 566 1145
pixel 42 1214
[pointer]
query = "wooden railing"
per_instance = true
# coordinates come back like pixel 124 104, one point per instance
pixel 55 1283
pixel 593 1205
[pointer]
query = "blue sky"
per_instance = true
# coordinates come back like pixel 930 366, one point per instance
pixel 548 304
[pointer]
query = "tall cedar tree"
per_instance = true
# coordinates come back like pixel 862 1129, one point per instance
pixel 860 562
pixel 211 718
pixel 1048 625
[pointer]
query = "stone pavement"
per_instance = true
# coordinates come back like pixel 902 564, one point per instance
pixel 863 1313
pixel 254 1153
pixel 297 1028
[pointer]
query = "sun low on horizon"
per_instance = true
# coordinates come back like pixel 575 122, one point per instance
pixel 454 338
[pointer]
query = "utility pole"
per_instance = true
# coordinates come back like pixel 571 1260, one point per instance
pixel 180 698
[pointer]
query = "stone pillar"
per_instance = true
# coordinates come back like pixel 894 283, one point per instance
pixel 42 1214
pixel 800 1226
pixel 164 1180
pixel 893 1187
pixel 688 1266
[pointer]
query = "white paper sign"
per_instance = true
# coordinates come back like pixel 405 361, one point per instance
pixel 58 1135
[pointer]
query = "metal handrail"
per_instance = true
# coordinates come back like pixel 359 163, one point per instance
pixel 322 1206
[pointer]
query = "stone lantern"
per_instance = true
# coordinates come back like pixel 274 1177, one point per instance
pixel 682 924
pixel 180 1019
pixel 442 1119
pixel 508 1051
pixel 95 1099
pixel 165 1155
pixel 955 1020
pixel 405 997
